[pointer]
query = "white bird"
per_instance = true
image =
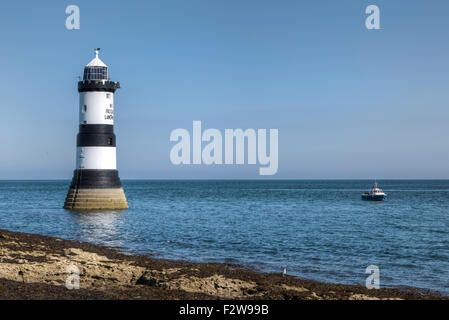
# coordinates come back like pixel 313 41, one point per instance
pixel 284 272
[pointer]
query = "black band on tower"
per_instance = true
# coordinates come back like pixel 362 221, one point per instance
pixel 96 135
pixel 95 140
pixel 95 179
pixel 96 128
pixel 95 85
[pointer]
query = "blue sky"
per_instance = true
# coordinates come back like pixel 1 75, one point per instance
pixel 348 102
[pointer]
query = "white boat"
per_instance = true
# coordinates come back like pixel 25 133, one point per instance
pixel 375 194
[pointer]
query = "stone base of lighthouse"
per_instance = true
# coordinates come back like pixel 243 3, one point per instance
pixel 95 190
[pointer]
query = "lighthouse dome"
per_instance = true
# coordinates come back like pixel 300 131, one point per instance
pixel 96 69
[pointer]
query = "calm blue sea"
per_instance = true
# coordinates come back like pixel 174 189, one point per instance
pixel 319 230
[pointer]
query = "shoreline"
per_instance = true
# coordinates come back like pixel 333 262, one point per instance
pixel 34 267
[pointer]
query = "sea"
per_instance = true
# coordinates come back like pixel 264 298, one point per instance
pixel 315 229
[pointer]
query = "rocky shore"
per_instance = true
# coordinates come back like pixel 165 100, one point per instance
pixel 35 267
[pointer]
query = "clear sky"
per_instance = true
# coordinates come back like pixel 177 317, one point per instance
pixel 348 102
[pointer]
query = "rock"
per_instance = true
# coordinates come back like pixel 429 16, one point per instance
pixel 148 279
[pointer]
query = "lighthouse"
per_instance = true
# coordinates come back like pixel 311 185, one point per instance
pixel 96 184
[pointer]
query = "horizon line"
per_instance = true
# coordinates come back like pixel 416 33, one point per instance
pixel 237 179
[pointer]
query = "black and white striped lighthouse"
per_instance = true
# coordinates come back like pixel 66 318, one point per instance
pixel 96 184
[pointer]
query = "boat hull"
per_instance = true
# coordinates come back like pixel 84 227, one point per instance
pixel 369 197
